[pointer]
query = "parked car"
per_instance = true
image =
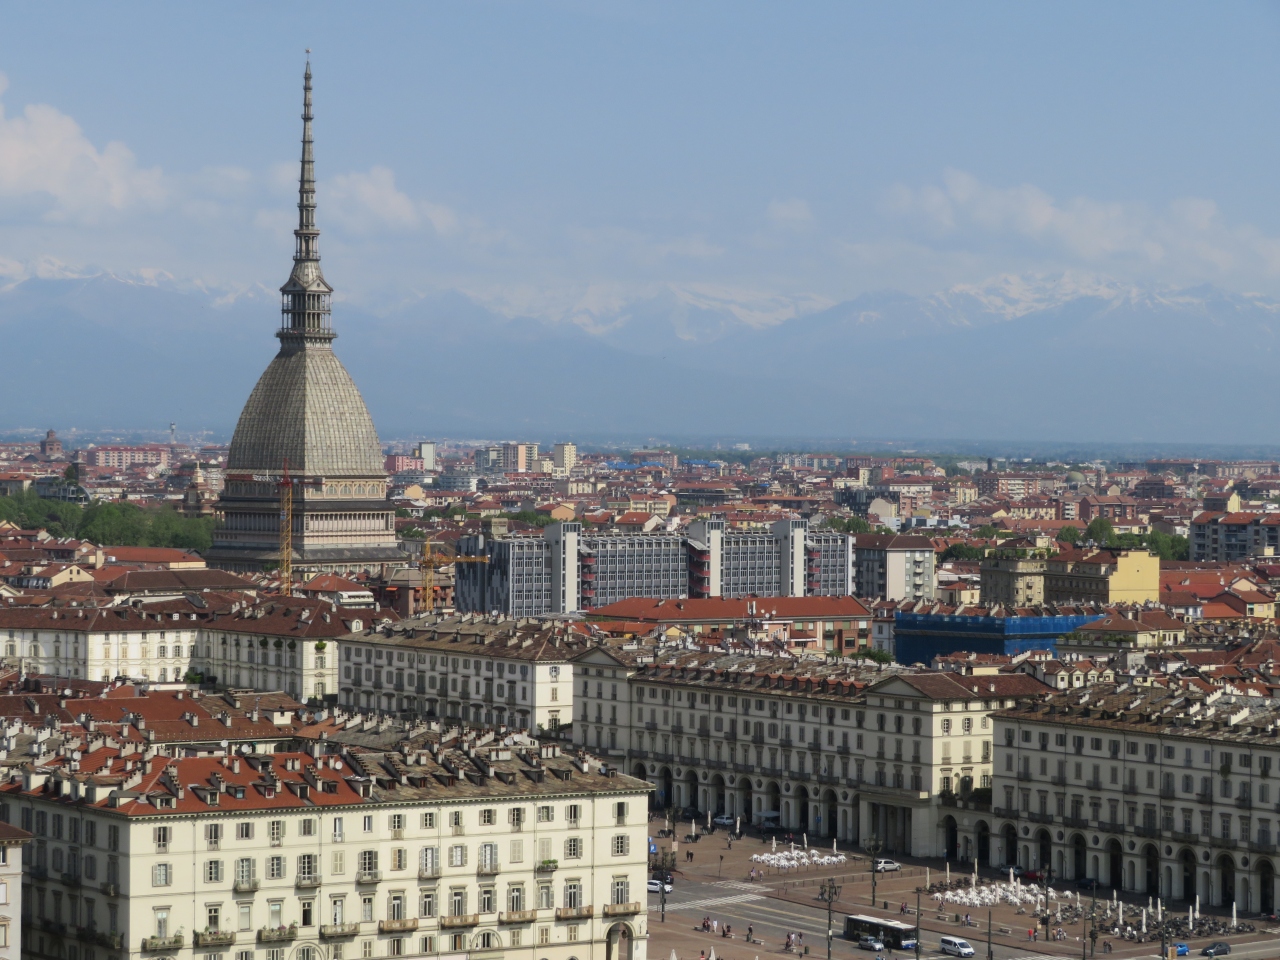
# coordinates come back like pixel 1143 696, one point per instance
pixel 1181 950
pixel 1089 883
pixel 657 886
pixel 1032 876
pixel 887 866
pixel 1219 949
pixel 724 820
pixel 664 876
pixel 870 943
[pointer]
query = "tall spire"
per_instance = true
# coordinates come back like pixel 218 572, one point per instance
pixel 306 295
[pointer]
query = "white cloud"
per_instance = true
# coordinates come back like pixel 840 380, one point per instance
pixel 792 213
pixel 44 153
pixel 365 202
pixel 1189 239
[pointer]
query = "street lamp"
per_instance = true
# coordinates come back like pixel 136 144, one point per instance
pixel 1093 922
pixel 1047 875
pixel 918 924
pixel 829 892
pixel 873 846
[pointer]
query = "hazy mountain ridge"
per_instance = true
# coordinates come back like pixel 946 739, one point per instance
pixel 1055 358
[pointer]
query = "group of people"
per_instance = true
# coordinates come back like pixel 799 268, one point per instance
pixel 794 943
pixel 725 930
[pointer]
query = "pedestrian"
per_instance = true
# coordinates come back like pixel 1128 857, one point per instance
pixel 715 925
pixel 750 929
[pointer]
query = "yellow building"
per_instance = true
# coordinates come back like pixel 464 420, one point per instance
pixel 1102 576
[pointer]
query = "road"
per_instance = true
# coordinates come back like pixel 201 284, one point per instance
pixel 741 904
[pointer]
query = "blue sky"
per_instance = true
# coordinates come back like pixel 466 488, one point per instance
pixel 565 159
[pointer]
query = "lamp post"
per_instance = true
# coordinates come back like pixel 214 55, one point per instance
pixel 1047 875
pixel 829 892
pixel 873 846
pixel 1093 922
pixel 917 923
pixel 989 953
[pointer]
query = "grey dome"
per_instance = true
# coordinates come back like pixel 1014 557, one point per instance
pixel 306 408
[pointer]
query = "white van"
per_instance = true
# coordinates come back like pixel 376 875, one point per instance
pixel 956 946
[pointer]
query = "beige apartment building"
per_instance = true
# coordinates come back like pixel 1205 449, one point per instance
pixel 801 744
pixel 490 852
pixel 1148 790
pixel 482 671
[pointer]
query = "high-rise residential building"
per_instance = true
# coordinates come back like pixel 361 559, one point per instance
pixel 427 451
pixel 894 566
pixel 306 418
pixel 565 456
pixel 566 569
pixel 519 457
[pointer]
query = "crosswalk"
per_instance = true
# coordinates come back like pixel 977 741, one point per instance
pixel 1038 956
pixel 708 902
pixel 739 885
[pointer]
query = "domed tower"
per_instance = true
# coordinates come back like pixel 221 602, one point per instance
pixel 306 417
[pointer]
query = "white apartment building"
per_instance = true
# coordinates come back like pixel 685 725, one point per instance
pixel 481 671
pixel 805 745
pixel 894 566
pixel 494 851
pixel 11 841
pixel 279 644
pixel 1149 790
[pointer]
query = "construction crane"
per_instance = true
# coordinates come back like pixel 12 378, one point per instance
pixel 286 532
pixel 428 565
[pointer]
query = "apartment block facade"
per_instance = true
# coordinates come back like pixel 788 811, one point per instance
pixel 567 570
pixel 825 751
pixel 481 671
pixel 1145 789
pixel 486 853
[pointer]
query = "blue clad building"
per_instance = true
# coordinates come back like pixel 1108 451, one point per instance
pixel 919 637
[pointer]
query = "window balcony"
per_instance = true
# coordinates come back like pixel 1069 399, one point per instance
pixel 491 869
pixel 428 873
pixel 154 944
pixel 245 886
pixel 369 876
pixel 621 909
pixel 397 926
pixel 214 938
pixel 278 934
pixel 460 920
pixel 307 882
pixel 331 930
pixel 575 913
pixel 518 916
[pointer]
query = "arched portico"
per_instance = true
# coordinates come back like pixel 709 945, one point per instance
pixel 620 942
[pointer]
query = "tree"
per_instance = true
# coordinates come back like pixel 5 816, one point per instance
pixel 879 656
pixel 1069 534
pixel 1100 530
pixel 987 531
pixel 962 551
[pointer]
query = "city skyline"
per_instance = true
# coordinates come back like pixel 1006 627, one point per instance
pixel 668 190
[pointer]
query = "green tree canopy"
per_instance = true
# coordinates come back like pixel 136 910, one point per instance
pixel 987 531
pixel 110 524
pixel 962 551
pixel 1100 530
pixel 1069 534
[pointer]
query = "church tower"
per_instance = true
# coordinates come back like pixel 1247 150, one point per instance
pixel 306 416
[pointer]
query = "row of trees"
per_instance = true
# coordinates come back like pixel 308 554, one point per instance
pixel 115 524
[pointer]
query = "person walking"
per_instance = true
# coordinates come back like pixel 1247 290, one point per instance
pixel 750 929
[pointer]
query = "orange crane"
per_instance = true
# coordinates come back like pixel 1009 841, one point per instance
pixel 428 565
pixel 286 532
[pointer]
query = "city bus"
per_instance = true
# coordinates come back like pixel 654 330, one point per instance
pixel 892 933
